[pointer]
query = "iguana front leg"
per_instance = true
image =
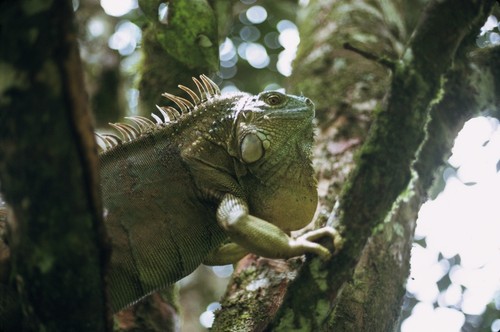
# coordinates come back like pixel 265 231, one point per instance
pixel 263 238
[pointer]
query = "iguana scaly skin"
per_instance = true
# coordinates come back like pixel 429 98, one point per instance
pixel 215 179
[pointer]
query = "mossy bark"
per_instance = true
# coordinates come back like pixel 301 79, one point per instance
pixel 362 287
pixel 181 45
pixel 48 171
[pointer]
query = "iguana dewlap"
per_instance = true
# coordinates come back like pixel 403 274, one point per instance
pixel 219 177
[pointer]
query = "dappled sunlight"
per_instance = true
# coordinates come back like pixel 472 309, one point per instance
pixel 489 35
pixel 462 222
pixel 467 217
pixel 427 318
pixel 289 38
pixel 208 316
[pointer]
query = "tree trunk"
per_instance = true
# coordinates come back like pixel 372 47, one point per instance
pixel 389 82
pixel 48 172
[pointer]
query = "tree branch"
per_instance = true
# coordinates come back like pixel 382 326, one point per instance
pixel 400 126
pixel 381 60
pixel 382 173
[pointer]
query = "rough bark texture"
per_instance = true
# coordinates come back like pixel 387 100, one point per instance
pixel 182 45
pixel 362 287
pixel 48 166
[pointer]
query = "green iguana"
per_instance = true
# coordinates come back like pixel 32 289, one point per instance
pixel 221 176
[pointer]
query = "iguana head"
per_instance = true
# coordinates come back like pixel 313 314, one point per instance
pixel 273 138
pixel 269 124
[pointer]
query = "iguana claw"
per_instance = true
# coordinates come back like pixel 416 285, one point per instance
pixel 308 241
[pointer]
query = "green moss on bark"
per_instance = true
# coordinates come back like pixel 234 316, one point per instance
pixel 183 45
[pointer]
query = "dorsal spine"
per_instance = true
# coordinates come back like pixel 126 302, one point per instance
pixel 207 89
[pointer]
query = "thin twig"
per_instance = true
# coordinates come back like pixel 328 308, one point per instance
pixel 370 56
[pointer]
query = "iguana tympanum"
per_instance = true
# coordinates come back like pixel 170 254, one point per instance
pixel 218 177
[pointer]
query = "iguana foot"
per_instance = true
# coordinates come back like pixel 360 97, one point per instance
pixel 307 241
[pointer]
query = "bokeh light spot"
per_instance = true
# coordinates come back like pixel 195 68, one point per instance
pixel 207 317
pixel 494 38
pixel 163 13
pixel 229 87
pixel 223 271
pixel 227 50
pixel 271 40
pixel 274 87
pixel 125 38
pixel 118 7
pixel 288 38
pixel 96 27
pixel 256 55
pixel 285 24
pixel 256 14
pixel 284 64
pixel 490 24
pixel 249 33
pixel 495 326
pixel 227 72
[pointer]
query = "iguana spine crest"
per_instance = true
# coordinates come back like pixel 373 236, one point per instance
pixel 207 89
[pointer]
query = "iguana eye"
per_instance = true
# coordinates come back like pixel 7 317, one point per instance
pixel 274 99
pixel 251 148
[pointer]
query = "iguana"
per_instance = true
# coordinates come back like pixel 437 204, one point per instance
pixel 220 176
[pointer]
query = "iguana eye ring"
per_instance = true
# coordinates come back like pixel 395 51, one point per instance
pixel 274 99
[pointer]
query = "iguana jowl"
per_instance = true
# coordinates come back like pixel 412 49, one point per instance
pixel 228 175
